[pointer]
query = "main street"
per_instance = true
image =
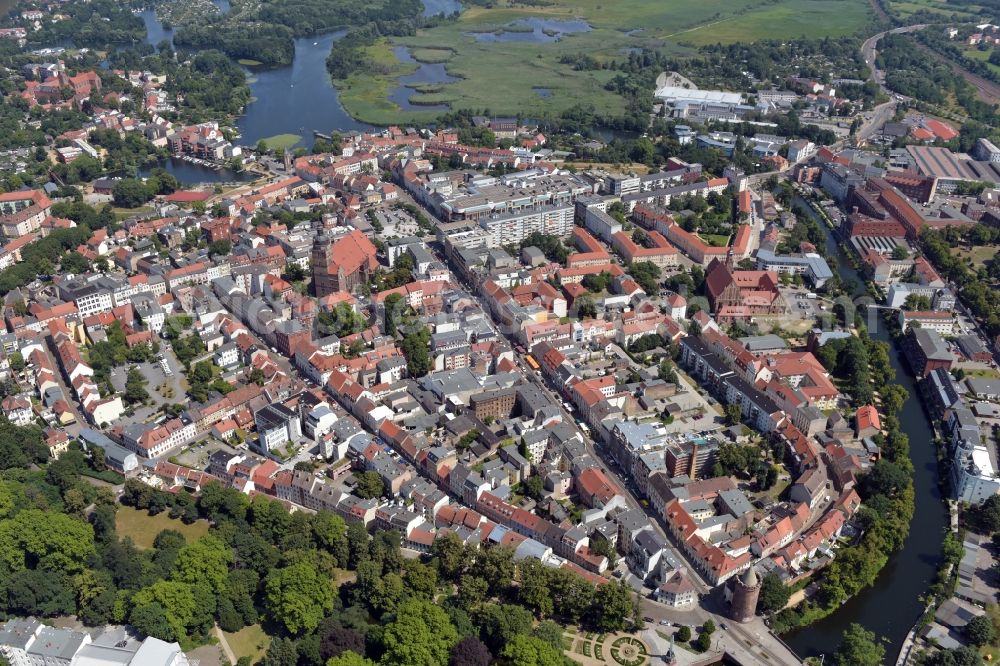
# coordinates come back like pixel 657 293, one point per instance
pixel 632 500
pixel 751 644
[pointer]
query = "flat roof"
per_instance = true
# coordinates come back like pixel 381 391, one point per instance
pixel 677 93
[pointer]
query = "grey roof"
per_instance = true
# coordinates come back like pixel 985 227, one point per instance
pixel 155 652
pixel 273 415
pixel 650 541
pixel 530 548
pixel 823 337
pixel 981 386
pixel 816 264
pixel 18 632
pixel 632 520
pixel 345 428
pixel 118 456
pixel 971 344
pixel 531 398
pixel 450 383
pixel 756 343
pixel 103 655
pixel 736 501
pixel 57 643
pixel 986 410
pixel 641 436
pixel 932 344
pixel 955 613
pixel 755 395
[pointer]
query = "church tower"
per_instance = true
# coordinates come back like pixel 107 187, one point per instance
pixel 323 282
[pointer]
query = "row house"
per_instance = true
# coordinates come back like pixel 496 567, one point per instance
pixel 173 477
pixel 715 564
pixel 656 250
pixel 22 212
pixel 398 518
pixel 152 441
pixel 757 407
pixel 79 376
pixel 688 243
pixel 198 273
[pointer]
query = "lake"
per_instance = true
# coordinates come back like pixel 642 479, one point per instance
pixel 538 30
pixel 297 99
pixel 438 7
pixel 156 32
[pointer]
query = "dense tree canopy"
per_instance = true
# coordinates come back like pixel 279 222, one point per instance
pixel 299 596
pixel 421 635
pixel 859 648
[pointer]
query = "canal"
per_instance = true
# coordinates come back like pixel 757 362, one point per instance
pixel 891 606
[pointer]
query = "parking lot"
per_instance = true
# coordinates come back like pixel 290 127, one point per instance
pixel 165 384
pixel 689 397
pixel 196 454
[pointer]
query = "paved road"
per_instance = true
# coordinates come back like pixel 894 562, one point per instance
pixel 752 644
pixel 224 644
pixel 869 51
pixel 882 113
pixel 73 429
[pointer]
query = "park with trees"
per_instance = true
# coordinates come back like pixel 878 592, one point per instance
pixel 322 589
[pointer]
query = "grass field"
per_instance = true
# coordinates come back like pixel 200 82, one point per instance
pixel 978 255
pixel 432 55
pixel 125 213
pixel 366 96
pixel 715 240
pixel 984 373
pixel 942 7
pixel 143 528
pixel 502 76
pixel 249 642
pixel 283 141
pixel 974 53
pixel 806 18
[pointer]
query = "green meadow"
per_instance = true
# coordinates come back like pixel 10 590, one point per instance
pixel 504 76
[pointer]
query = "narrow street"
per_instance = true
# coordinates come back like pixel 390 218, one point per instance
pixel 753 646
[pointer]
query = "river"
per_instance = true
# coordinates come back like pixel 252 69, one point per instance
pixel 297 99
pixel 891 606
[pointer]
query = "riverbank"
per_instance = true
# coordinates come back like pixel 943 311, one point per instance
pixel 909 572
pixel 367 97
